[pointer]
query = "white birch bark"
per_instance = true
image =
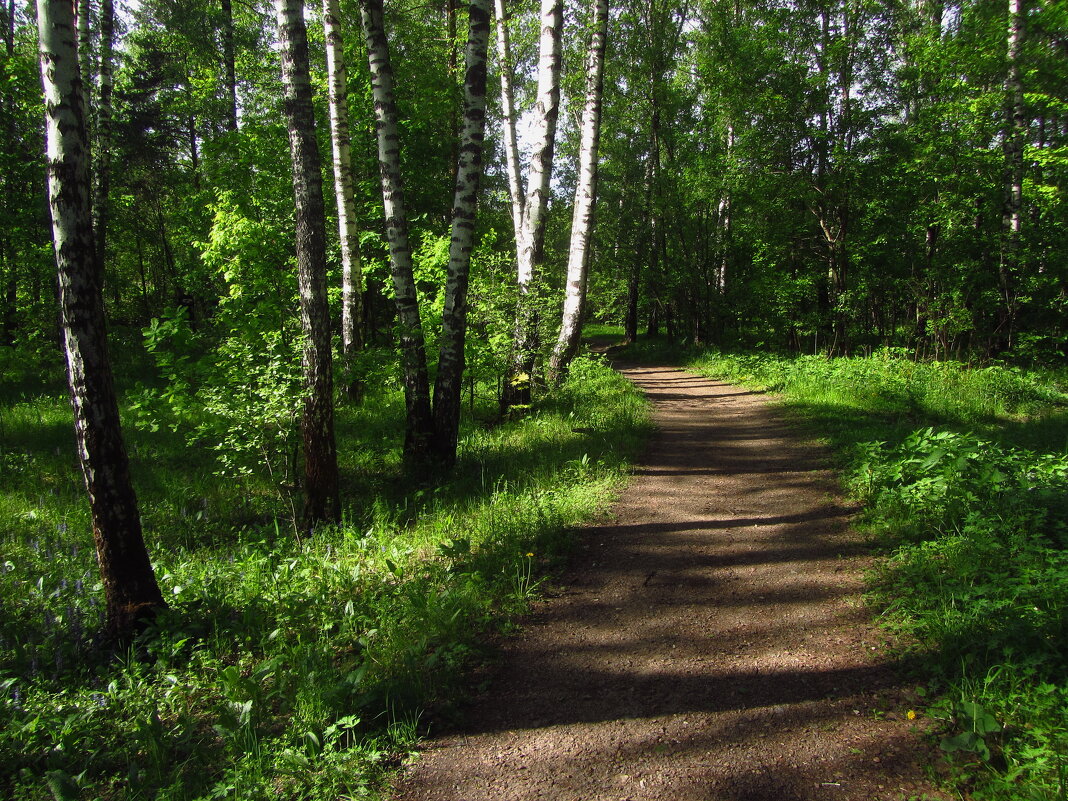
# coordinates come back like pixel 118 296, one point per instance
pixel 85 59
pixel 447 387
pixel 547 111
pixel 529 254
pixel 102 150
pixel 511 144
pixel 419 426
pixel 585 200
pixel 351 266
pixel 130 589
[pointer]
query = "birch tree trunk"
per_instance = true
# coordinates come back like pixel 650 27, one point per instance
pixel 585 201
pixel 85 62
pixel 130 589
pixel 511 145
pixel 351 267
pixel 419 424
pixel 102 149
pixel 8 317
pixel 448 385
pixel 1014 139
pixel 321 500
pixel 529 250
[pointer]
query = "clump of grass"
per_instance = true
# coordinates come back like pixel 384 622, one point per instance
pixel 964 475
pixel 284 668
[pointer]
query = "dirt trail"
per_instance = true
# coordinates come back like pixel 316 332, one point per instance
pixel 709 643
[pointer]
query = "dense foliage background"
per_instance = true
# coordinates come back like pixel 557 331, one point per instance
pixel 879 180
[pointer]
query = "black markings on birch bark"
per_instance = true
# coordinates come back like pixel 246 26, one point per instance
pixel 351 266
pixel 321 501
pixel 130 590
pixel 447 387
pixel 419 422
pixel 102 150
pixel 530 237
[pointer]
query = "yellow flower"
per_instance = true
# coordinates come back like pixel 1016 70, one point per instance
pixel 911 714
pixel 530 556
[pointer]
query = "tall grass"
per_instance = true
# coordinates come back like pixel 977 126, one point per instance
pixel 964 476
pixel 282 668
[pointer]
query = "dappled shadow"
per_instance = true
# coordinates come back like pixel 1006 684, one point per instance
pixel 707 637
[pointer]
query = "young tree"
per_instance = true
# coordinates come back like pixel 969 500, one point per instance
pixel 419 429
pixel 1014 138
pixel 130 589
pixel 447 387
pixel 322 503
pixel 351 268
pixel 530 203
pixel 585 200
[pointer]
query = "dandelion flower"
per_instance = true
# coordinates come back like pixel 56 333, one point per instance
pixel 911 714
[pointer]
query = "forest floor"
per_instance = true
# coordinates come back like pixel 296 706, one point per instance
pixel 708 641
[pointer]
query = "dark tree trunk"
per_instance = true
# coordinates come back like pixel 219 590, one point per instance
pixel 449 383
pixel 130 589
pixel 321 500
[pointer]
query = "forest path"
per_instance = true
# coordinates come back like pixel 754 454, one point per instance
pixel 709 641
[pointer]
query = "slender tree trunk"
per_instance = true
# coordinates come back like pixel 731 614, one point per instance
pixel 1014 139
pixel 9 319
pixel 321 500
pixel 194 151
pixel 511 146
pixel 419 425
pixel 585 201
pixel 449 383
pixel 451 8
pixel 102 147
pixel 229 65
pixel 351 266
pixel 85 63
pixel 529 246
pixel 130 589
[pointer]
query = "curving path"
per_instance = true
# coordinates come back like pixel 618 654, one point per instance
pixel 710 643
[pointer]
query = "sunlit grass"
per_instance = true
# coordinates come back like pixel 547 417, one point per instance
pixel 283 668
pixel 964 476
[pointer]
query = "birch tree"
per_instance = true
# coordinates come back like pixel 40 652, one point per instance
pixel 419 421
pixel 317 423
pixel 529 203
pixel 130 590
pixel 468 178
pixel 351 267
pixel 102 149
pixel 585 200
pixel 1013 140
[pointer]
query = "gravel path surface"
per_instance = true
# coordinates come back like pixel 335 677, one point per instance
pixel 709 643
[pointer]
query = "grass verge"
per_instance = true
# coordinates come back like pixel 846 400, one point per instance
pixel 964 475
pixel 283 669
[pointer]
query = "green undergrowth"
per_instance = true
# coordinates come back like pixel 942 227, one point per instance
pixel 284 668
pixel 963 472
